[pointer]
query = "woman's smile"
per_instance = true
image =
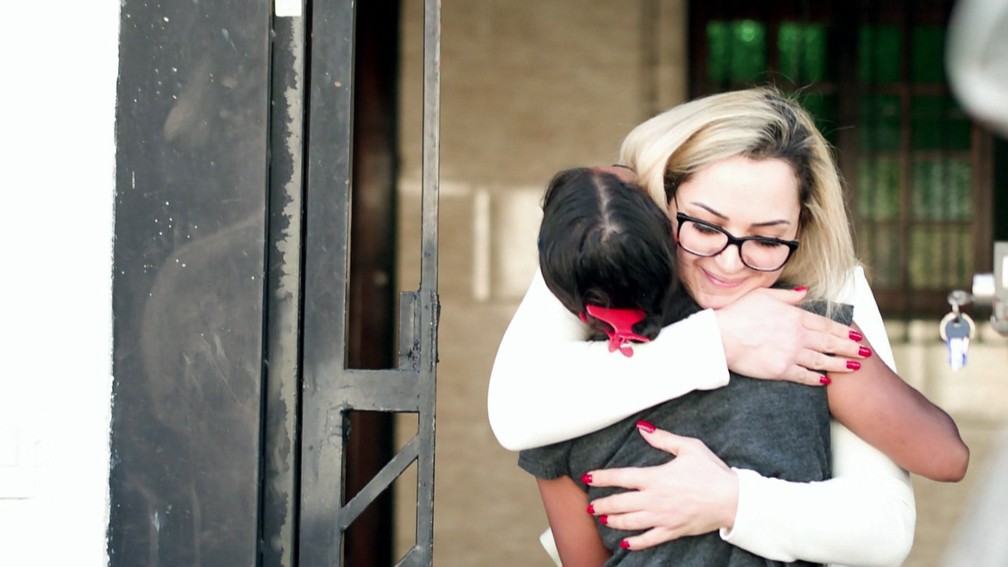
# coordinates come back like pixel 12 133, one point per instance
pixel 725 282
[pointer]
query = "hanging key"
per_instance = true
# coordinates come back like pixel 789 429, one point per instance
pixel 957 329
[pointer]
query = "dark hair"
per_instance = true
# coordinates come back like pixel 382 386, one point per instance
pixel 605 242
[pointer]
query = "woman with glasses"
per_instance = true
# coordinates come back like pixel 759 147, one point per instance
pixel 607 252
pixel 749 174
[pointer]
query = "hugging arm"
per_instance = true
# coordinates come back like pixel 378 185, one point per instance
pixel 550 384
pixel 865 515
pixel 870 499
pixel 576 536
pixel 891 415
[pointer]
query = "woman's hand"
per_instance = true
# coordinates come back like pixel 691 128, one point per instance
pixel 766 335
pixel 693 494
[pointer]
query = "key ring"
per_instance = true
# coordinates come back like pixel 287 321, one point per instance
pixel 952 317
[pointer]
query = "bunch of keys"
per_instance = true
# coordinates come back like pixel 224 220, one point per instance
pixel 956 329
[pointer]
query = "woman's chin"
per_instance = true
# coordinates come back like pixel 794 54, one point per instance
pixel 716 300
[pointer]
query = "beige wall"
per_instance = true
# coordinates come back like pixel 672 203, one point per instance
pixel 530 87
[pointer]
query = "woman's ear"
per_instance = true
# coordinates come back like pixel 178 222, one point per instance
pixel 672 210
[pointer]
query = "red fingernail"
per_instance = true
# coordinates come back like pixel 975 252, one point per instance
pixel 825 380
pixel 586 478
pixel 801 288
pixel 853 364
pixel 604 518
pixel 591 509
pixel 645 426
pixel 856 336
pixel 624 544
pixel 864 351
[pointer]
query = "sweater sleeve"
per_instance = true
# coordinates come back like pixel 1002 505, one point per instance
pixel 549 384
pixel 865 515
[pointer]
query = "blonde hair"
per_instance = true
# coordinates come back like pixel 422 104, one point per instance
pixel 759 123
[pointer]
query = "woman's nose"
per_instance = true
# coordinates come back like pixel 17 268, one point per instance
pixel 729 259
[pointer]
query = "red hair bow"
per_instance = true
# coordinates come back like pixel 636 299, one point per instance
pixel 621 321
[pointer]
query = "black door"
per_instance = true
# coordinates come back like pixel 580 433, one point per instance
pixel 236 380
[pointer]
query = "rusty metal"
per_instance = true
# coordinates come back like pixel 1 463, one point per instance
pixel 232 386
pixel 192 115
pixel 331 390
pixel 281 370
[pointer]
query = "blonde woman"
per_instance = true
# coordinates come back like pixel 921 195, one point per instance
pixel 719 161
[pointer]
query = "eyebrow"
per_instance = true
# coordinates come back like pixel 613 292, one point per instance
pixel 722 216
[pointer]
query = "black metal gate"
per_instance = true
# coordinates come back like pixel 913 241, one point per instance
pixel 233 386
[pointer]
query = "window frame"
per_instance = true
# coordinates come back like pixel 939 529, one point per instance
pixel 901 299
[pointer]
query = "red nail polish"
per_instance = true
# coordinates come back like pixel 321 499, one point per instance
pixel 801 288
pixel 853 364
pixel 624 544
pixel 591 509
pixel 586 478
pixel 864 351
pixel 856 336
pixel 604 519
pixel 825 380
pixel 645 426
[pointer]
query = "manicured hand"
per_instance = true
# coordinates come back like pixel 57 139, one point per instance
pixel 695 493
pixel 766 335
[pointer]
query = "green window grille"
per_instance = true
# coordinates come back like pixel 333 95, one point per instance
pixel 878 93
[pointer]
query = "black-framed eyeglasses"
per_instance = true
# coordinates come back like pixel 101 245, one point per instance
pixel 760 253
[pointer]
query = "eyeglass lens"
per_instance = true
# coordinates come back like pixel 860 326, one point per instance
pixel 704 240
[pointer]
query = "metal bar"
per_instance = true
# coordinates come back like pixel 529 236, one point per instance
pixel 283 293
pixel 373 265
pixel 378 484
pixel 430 306
pixel 377 390
pixel 331 390
pixel 409 331
pixel 399 395
pixel 411 559
pixel 327 227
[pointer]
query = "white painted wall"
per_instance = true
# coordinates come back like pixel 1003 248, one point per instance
pixel 59 65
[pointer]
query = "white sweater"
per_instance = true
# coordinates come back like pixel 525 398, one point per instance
pixel 549 384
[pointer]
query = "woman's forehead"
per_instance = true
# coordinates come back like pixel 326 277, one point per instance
pixel 744 187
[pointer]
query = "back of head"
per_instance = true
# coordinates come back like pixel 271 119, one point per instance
pixel 604 242
pixel 757 123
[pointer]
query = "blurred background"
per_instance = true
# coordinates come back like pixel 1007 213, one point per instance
pixel 532 87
